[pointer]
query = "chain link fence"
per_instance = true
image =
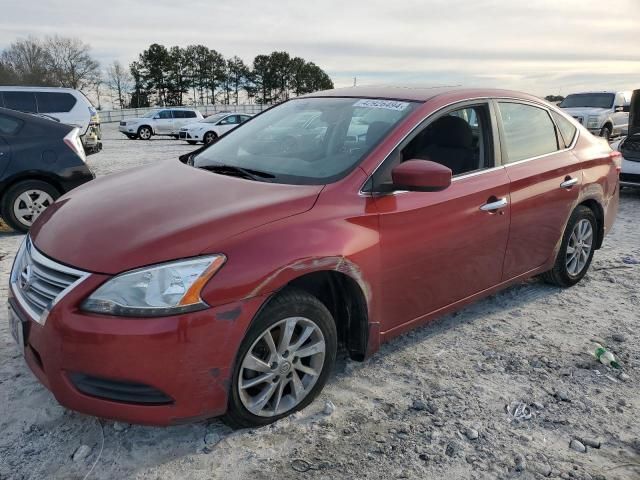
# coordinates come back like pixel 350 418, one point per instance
pixel 111 116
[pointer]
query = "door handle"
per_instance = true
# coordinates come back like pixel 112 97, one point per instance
pixel 569 182
pixel 494 205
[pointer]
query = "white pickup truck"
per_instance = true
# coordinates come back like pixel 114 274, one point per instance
pixel 603 113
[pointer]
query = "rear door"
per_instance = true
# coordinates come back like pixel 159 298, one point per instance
pixel 164 122
pixel 9 127
pixel 545 182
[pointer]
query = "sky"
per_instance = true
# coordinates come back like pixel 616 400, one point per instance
pixel 538 46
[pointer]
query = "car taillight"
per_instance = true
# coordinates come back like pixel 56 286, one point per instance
pixel 72 140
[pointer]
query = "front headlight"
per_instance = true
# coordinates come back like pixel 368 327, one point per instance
pixel 593 121
pixel 165 289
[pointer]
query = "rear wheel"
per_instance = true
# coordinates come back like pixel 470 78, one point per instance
pixel 145 133
pixel 284 360
pixel 576 251
pixel 25 201
pixel 209 137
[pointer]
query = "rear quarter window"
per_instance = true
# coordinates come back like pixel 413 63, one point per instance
pixel 54 102
pixel 528 131
pixel 20 101
pixel 567 129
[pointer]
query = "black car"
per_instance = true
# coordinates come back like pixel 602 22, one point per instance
pixel 39 160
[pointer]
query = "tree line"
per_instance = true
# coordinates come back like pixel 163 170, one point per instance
pixel 161 75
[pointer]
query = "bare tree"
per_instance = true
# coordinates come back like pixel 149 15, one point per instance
pixel 25 63
pixel 70 62
pixel 119 81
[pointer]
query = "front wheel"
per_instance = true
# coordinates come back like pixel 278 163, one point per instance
pixel 283 362
pixel 25 201
pixel 606 132
pixel 576 250
pixel 145 133
pixel 209 137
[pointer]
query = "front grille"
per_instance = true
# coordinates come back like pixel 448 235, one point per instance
pixel 579 119
pixel 38 282
pixel 630 149
pixel 118 390
pixel 630 178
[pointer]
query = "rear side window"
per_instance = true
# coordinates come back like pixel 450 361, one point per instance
pixel 189 114
pixel 9 125
pixel 20 101
pixel 179 114
pixel 54 102
pixel 164 114
pixel 567 129
pixel 244 118
pixel 528 131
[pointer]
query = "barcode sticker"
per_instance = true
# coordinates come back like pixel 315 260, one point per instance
pixel 386 104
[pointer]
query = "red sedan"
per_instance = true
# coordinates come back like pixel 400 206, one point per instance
pixel 224 284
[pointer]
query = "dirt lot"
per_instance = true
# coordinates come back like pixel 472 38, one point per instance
pixel 431 404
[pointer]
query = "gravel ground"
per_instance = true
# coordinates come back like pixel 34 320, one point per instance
pixel 431 404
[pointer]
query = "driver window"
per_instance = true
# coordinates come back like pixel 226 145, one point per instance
pixel 459 139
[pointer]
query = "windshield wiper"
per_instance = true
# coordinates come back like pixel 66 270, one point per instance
pixel 233 170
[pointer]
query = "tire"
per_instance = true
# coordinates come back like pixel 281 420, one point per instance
pixel 191 142
pixel 145 133
pixel 606 132
pixel 209 138
pixel 306 313
pixel 41 195
pixel 564 273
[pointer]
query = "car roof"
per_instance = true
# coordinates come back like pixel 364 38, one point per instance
pixel 596 91
pixel 37 89
pixel 419 94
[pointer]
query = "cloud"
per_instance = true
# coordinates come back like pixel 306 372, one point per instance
pixel 542 46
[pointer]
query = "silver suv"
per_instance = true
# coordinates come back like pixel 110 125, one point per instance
pixel 603 113
pixel 162 121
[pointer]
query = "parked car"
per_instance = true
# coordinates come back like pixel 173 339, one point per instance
pixel 163 121
pixel 232 298
pixel 212 127
pixel 65 105
pixel 603 113
pixel 629 147
pixel 40 160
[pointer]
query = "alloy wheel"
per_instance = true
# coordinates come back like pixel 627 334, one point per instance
pixel 208 138
pixel 281 367
pixel 579 247
pixel 145 133
pixel 30 204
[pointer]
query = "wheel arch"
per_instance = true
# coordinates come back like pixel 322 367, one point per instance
pixel 153 130
pixel 598 210
pixel 26 176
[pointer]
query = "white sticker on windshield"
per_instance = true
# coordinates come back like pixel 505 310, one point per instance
pixel 386 104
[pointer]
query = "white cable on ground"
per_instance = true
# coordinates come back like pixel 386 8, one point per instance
pixel 100 453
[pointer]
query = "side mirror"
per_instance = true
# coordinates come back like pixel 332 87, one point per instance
pixel 619 108
pixel 421 176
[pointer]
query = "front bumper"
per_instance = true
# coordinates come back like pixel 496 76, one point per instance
pixel 128 129
pixel 187 358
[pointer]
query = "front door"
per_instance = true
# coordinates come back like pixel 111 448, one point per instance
pixel 441 247
pixel 5 152
pixel 545 182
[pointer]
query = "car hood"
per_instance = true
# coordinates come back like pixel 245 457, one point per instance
pixel 158 213
pixel 585 111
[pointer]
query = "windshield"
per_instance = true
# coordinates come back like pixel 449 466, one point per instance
pixel 214 118
pixel 594 100
pixel 150 114
pixel 307 141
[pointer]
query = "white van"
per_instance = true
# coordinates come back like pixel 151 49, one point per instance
pixel 65 105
